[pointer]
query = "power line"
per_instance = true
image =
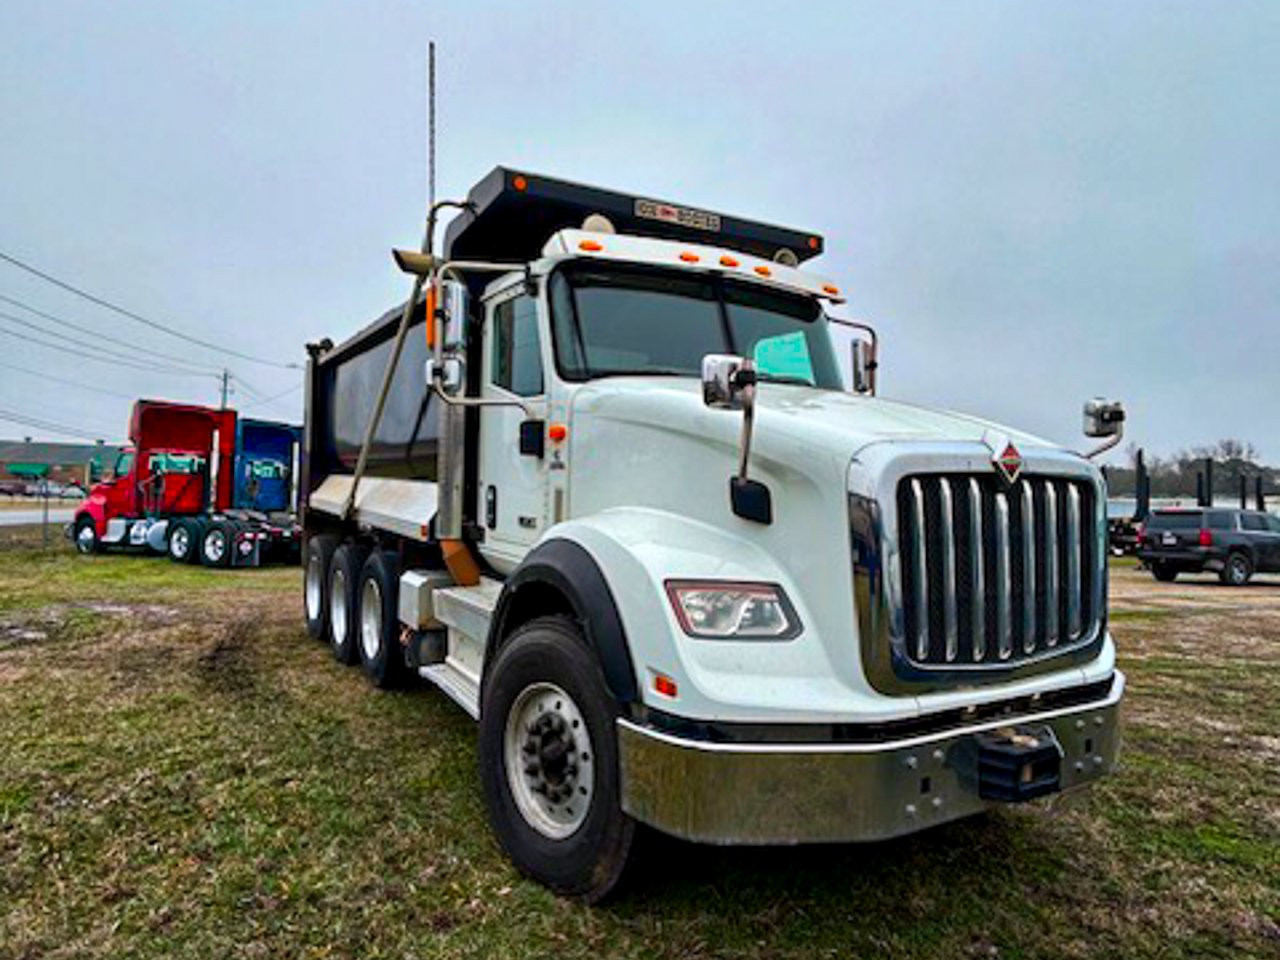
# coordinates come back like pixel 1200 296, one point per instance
pixel 136 365
pixel 275 396
pixel 95 333
pixel 70 383
pixel 107 351
pixel 40 423
pixel 154 324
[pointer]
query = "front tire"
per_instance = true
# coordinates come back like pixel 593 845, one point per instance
pixel 1237 571
pixel 549 761
pixel 381 655
pixel 1164 572
pixel 87 536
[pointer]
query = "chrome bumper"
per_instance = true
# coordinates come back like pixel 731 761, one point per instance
pixel 786 793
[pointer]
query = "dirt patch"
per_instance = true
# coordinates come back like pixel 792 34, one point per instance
pixel 225 663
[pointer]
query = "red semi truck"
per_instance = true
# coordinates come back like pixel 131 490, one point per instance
pixel 177 489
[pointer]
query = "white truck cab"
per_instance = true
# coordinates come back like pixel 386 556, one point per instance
pixel 599 480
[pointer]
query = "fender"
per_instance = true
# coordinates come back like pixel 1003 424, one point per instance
pixel 94 506
pixel 571 570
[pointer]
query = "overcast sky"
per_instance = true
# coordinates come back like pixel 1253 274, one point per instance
pixel 1036 202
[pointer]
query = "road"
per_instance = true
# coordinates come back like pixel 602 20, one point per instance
pixel 25 517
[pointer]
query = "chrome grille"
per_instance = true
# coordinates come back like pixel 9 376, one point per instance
pixel 994 574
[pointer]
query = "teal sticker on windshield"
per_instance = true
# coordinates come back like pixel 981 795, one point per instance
pixel 784 357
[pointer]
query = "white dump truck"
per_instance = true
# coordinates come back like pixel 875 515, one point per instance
pixel 599 480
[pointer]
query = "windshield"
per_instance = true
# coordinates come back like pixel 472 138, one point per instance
pixel 611 322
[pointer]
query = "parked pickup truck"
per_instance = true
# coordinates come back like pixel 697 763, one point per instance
pixel 1233 543
pixel 600 481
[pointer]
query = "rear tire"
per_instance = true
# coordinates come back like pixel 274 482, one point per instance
pixel 1237 571
pixel 315 584
pixel 381 655
pixel 344 601
pixel 549 761
pixel 87 541
pixel 1164 573
pixel 180 542
pixel 217 542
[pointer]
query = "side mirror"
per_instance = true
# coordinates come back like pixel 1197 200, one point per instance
pixel 863 367
pixel 1103 418
pixel 456 302
pixel 724 379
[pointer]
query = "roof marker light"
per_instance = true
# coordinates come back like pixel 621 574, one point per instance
pixel 688 257
pixel 591 246
pixel 764 271
pixel 520 183
pixel 831 289
pixel 727 261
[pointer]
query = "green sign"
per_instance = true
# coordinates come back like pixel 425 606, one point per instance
pixel 33 470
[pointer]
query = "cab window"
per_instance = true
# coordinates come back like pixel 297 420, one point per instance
pixel 1253 521
pixel 516 353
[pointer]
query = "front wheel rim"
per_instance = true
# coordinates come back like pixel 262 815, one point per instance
pixel 550 760
pixel 180 542
pixel 371 619
pixel 85 538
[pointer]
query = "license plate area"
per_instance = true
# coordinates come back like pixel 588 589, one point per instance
pixel 1016 764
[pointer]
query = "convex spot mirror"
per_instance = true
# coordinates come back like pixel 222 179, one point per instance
pixel 1103 418
pixel 862 366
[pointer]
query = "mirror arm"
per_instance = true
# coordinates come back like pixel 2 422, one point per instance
pixel 1106 445
pixel 748 388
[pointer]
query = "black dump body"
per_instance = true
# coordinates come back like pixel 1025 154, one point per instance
pixel 511 216
pixel 344 389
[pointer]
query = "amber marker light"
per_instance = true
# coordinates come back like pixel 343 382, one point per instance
pixel 764 271
pixel 831 289
pixel 728 262
pixel 813 243
pixel 557 432
pixel 688 257
pixel 591 246
pixel 664 685
pixel 520 183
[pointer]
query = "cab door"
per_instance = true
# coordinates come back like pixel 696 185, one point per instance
pixel 512 491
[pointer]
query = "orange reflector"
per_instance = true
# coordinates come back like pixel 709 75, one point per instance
pixel 728 262
pixel 557 432
pixel 431 317
pixel 664 685
pixel 829 288
pixel 590 245
pixel 813 243
pixel 520 183
pixel 764 271
pixel 688 257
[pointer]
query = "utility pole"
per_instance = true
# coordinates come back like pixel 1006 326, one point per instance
pixel 226 375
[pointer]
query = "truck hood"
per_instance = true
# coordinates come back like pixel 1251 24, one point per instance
pixel 836 423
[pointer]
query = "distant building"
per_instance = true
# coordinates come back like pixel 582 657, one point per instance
pixel 62 463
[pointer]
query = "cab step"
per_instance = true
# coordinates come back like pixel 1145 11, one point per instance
pixel 465 613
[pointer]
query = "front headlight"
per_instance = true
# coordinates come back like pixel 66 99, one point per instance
pixel 722 610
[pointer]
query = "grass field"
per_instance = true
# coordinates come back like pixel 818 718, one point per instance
pixel 183 773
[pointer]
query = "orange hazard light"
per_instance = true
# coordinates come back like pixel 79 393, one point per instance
pixel 664 685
